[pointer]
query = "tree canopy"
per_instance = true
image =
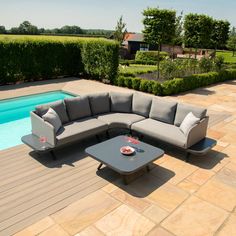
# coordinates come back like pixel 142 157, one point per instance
pixel 120 30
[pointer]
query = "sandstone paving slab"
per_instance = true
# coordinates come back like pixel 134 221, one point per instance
pixel 85 212
pixel 90 231
pixel 195 217
pixel 155 213
pixel 37 228
pixel 124 221
pixel 54 230
pixel 137 203
pixel 229 227
pixel 159 231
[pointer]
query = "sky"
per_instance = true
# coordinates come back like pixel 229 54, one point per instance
pixel 103 14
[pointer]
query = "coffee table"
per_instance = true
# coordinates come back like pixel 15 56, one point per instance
pixel 108 153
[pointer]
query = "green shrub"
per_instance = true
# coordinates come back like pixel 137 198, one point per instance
pixel 149 57
pixel 177 85
pixel 219 62
pixel 128 82
pixel 205 64
pixel 136 83
pixel 32 58
pixel 120 81
pixel 156 88
pixel 144 85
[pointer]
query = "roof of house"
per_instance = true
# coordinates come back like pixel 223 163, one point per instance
pixel 134 37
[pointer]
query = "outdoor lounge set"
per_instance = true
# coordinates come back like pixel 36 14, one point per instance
pixel 73 119
pixel 85 116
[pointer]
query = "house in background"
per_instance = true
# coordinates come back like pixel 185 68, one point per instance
pixel 134 42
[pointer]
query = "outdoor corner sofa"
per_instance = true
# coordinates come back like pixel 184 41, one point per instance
pixel 91 115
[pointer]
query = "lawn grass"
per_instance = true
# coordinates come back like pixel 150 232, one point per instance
pixel 136 69
pixel 228 56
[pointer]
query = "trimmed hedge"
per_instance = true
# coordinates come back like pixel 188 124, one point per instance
pixel 33 58
pixel 149 57
pixel 177 85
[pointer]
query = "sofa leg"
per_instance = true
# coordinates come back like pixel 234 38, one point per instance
pixel 107 134
pixel 53 155
pixel 187 157
pixel 98 138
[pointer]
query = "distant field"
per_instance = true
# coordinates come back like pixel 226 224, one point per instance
pixel 228 55
pixel 43 37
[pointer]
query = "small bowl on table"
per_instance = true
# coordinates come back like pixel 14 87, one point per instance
pixel 127 150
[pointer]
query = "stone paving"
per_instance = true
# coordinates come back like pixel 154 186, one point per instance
pixel 175 198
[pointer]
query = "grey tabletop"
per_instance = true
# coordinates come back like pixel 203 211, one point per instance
pixel 34 142
pixel 108 153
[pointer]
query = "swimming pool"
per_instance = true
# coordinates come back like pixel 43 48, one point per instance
pixel 15 115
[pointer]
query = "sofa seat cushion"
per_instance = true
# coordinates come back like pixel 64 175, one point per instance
pixel 120 120
pixel 58 107
pixel 78 107
pixel 99 103
pixel 121 102
pixel 141 104
pixel 183 110
pixel 80 129
pixel 162 131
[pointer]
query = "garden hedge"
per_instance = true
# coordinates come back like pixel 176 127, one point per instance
pixel 41 57
pixel 177 85
pixel 149 57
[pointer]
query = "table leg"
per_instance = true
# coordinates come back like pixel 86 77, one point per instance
pixel 100 166
pixel 124 179
pixel 148 168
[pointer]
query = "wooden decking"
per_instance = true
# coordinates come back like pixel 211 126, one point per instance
pixel 32 187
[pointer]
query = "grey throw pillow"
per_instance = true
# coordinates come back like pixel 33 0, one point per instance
pixel 99 103
pixel 163 110
pixel 53 118
pixel 121 102
pixel 189 121
pixel 78 107
pixel 141 104
pixel 58 107
pixel 183 110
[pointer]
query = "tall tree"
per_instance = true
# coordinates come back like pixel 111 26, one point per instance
pixel 2 29
pixel 231 44
pixel 159 28
pixel 27 28
pixel 198 31
pixel 220 34
pixel 178 39
pixel 120 30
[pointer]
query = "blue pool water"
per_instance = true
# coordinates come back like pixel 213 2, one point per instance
pixel 15 116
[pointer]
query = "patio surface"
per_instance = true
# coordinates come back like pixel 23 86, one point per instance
pixel 39 196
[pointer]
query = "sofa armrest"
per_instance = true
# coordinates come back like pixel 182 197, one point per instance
pixel 197 132
pixel 42 128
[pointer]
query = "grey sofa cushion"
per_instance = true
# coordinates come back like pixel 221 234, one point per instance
pixel 78 107
pixel 141 104
pixel 58 107
pixel 159 130
pixel 120 120
pixel 80 129
pixel 183 109
pixel 99 103
pixel 52 117
pixel 121 102
pixel 163 110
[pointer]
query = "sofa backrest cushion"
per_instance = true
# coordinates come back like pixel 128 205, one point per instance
pixel 163 110
pixel 141 104
pixel 99 103
pixel 121 102
pixel 183 109
pixel 58 107
pixel 78 107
